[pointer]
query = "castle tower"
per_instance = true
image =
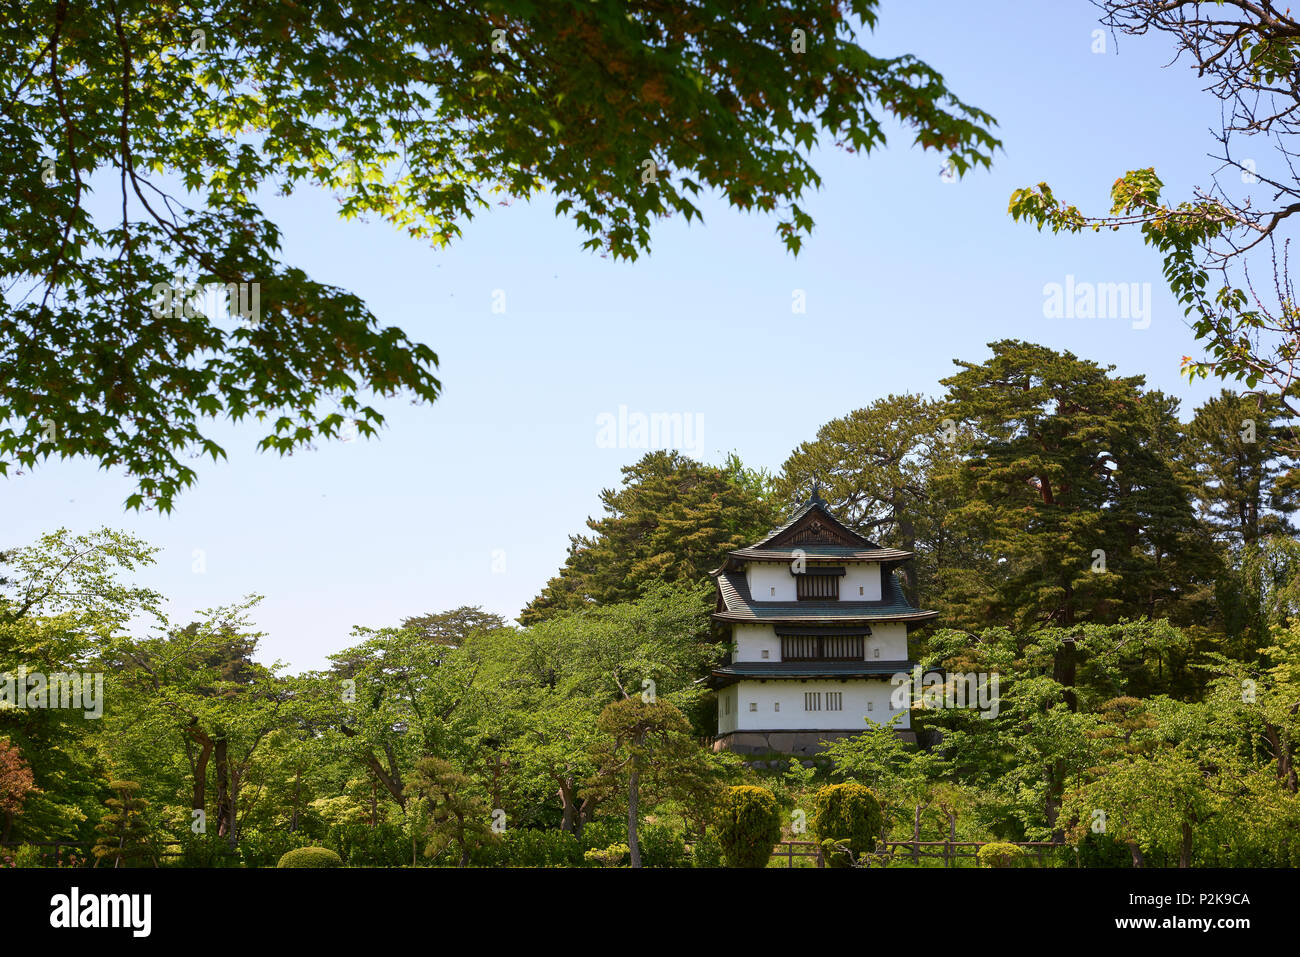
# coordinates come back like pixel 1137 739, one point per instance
pixel 819 627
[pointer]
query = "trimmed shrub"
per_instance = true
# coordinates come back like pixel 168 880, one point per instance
pixel 706 852
pixel 311 857
pixel 661 846
pixel 612 856
pixel 749 826
pixel 125 838
pixel 1000 854
pixel 846 820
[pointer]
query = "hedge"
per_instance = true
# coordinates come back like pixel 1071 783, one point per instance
pixel 749 826
pixel 1000 854
pixel 311 857
pixel 846 816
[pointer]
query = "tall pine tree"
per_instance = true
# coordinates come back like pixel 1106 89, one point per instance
pixel 673 520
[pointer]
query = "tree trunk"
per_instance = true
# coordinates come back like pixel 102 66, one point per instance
pixel 392 782
pixel 198 801
pixel 570 812
pixel 1138 860
pixel 1185 852
pixel 1052 800
pixel 585 812
pixel 1282 750
pixel 907 538
pixel 236 780
pixel 221 753
pixel 576 812
pixel 633 799
pixel 297 800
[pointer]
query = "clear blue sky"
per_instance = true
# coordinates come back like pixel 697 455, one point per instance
pixel 904 273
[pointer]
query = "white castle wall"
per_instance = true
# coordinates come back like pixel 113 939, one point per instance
pixel 861 582
pixel 887 642
pixel 772 581
pixel 727 709
pixel 863 698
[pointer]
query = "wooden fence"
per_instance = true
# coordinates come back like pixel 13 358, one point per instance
pixel 790 853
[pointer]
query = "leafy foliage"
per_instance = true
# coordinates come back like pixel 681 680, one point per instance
pixel 420 115
pixel 749 826
pixel 16 783
pixel 846 819
pixel 457 816
pixel 124 836
pixel 310 857
pixel 1000 854
pixel 672 521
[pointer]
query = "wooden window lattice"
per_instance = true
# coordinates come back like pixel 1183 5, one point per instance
pixel 822 647
pixel 817 587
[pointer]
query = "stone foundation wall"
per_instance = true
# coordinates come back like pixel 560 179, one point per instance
pixel 787 742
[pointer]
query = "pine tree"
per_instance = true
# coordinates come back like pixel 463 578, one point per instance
pixel 455 811
pixel 123 833
pixel 647 754
pixel 1071 483
pixel 1046 433
pixel 1247 489
pixel 874 467
pixel 673 520
pixel 1247 486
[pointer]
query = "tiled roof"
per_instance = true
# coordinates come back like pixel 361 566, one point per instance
pixel 814 552
pixel 734 589
pixel 860 549
pixel 814 502
pixel 729 674
pixel 739 606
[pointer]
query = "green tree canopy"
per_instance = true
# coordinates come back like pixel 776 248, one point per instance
pixel 877 468
pixel 673 520
pixel 1066 484
pixel 185 112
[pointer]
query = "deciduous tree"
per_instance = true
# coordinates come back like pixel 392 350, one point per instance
pixel 419 114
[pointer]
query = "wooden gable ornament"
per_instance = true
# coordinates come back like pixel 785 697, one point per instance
pixel 818 526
